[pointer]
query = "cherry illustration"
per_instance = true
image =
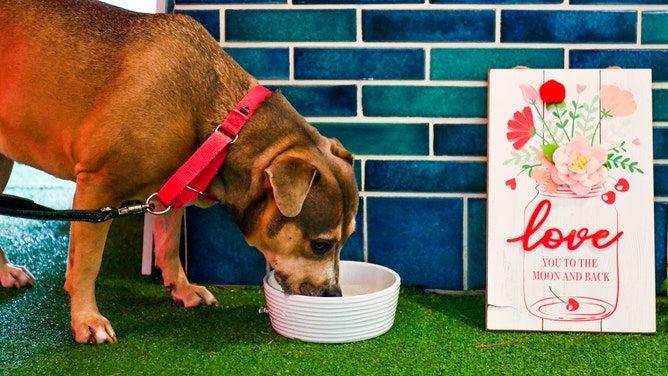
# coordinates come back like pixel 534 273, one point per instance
pixel 622 185
pixel 572 305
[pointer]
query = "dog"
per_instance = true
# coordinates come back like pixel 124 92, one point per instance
pixel 117 101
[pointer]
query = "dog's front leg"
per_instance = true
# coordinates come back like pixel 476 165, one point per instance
pixel 83 265
pixel 167 234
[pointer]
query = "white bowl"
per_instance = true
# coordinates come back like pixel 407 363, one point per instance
pixel 366 309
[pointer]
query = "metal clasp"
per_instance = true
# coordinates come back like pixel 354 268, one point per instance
pixel 151 207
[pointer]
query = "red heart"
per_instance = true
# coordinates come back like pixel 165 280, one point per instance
pixel 511 183
pixel 609 197
pixel 622 185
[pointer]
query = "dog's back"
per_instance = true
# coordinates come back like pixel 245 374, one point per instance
pixel 107 68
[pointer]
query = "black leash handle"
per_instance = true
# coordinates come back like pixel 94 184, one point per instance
pixel 15 206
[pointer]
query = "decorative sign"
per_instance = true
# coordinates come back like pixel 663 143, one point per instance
pixel 570 243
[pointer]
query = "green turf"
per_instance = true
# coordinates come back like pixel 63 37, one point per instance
pixel 432 334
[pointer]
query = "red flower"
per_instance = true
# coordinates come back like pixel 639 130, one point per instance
pixel 552 92
pixel 521 128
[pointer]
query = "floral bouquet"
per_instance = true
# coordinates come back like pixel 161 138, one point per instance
pixel 567 150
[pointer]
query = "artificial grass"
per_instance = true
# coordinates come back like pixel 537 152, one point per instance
pixel 432 334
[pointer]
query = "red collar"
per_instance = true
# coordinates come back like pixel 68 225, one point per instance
pixel 191 179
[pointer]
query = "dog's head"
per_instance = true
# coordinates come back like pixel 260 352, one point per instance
pixel 310 214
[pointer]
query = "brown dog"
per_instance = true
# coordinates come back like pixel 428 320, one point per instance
pixel 117 101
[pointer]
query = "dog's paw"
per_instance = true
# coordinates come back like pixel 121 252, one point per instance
pixel 191 295
pixel 15 276
pixel 93 329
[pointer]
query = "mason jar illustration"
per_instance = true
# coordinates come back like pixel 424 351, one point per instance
pixel 570 254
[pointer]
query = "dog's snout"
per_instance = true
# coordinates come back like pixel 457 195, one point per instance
pixel 333 291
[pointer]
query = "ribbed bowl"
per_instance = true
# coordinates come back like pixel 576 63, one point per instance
pixel 366 309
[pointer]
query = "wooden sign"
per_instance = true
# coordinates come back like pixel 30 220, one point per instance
pixel 570 207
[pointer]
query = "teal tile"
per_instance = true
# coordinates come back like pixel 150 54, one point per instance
pixel 654 27
pixel 304 25
pixel 425 101
pixel 460 139
pixel 659 107
pixel 477 245
pixel 359 63
pixel 418 237
pixel 474 63
pixel 380 138
pixel 428 25
pixel 565 26
pixel 323 100
pixel 425 176
pixel 616 2
pixel 263 63
pixel 655 59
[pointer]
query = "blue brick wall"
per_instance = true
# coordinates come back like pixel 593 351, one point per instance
pixel 402 83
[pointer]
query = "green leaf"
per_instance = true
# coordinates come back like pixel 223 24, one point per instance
pixel 548 150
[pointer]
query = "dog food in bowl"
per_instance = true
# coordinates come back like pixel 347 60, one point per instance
pixel 366 309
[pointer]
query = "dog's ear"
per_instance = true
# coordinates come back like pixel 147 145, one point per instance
pixel 291 180
pixel 340 151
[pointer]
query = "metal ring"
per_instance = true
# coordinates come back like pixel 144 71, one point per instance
pixel 150 210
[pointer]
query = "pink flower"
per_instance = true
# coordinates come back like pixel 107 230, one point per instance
pixel 529 93
pixel 579 165
pixel 617 102
pixel 543 174
pixel 521 128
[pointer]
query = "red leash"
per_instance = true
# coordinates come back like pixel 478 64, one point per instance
pixel 191 180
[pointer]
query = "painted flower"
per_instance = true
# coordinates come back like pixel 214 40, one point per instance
pixel 617 102
pixel 552 92
pixel 579 165
pixel 543 174
pixel 529 93
pixel 521 128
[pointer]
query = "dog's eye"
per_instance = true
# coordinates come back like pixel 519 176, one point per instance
pixel 320 247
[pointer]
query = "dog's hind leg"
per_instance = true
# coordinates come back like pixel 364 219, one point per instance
pixel 11 275
pixel 167 233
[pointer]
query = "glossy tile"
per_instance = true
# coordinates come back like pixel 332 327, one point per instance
pixel 477 244
pixel 460 139
pixel 359 63
pixel 380 138
pixel 263 63
pixel 654 27
pixel 309 25
pixel 616 2
pixel 428 26
pixel 474 63
pixel 425 176
pixel 660 104
pixel 660 141
pixel 419 238
pixel 322 100
pixel 225 2
pixel 566 26
pixel 661 180
pixel 657 60
pixel 425 101
pixel 660 241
